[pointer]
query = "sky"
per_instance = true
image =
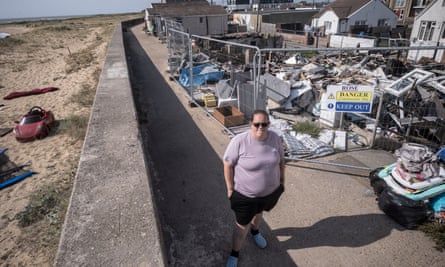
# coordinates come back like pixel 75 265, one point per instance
pixel 18 9
pixel 14 9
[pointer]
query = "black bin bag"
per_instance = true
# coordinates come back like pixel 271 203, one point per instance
pixel 407 212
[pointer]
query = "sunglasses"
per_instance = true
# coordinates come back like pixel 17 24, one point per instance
pixel 263 124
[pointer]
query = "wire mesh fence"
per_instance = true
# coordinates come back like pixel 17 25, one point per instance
pixel 231 77
pixel 217 74
pixel 408 99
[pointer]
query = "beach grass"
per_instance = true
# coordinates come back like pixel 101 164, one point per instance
pixel 307 127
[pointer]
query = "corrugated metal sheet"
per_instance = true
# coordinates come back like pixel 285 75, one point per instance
pixel 248 102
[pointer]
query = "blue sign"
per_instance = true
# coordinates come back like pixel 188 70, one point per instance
pixel 353 107
pixel 348 98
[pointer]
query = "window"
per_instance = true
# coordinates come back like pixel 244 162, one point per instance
pixel 443 29
pixel 400 3
pixel 237 2
pixel 360 22
pixel 426 30
pixel 201 19
pixel 418 3
pixel 399 13
pixel 382 22
pixel 327 25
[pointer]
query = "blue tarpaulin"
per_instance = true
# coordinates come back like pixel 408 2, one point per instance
pixel 201 75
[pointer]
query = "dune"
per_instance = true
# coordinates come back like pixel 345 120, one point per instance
pixel 67 54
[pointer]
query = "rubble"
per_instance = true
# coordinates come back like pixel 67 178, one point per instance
pixel 413 95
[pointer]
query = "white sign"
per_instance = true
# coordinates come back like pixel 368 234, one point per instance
pixel 349 98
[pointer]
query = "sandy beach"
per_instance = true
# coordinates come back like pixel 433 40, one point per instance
pixel 69 55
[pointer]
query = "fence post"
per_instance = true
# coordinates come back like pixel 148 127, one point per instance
pixel 190 65
pixel 377 118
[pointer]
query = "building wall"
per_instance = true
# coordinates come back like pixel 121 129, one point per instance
pixel 217 25
pixel 268 28
pixel 343 25
pixel 328 17
pixel 205 25
pixel 402 10
pixel 255 25
pixel 372 13
pixel 347 41
pixel 237 4
pixel 303 17
pixel 195 25
pixel 433 14
pixel 249 20
pixel 241 19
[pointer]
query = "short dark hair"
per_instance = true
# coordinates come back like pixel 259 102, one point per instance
pixel 259 111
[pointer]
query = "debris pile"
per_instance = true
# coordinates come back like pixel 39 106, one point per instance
pixel 413 96
pixel 412 190
pixel 11 173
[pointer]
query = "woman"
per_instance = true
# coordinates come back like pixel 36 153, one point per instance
pixel 254 173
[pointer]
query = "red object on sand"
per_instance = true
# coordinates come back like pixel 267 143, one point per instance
pixel 36 124
pixel 30 92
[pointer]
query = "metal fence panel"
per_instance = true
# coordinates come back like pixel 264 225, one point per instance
pixel 409 99
pixel 413 112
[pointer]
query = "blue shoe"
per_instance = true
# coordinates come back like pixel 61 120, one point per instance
pixel 260 241
pixel 232 262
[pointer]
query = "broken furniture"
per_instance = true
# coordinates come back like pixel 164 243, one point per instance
pixel 404 84
pixel 226 94
pixel 229 116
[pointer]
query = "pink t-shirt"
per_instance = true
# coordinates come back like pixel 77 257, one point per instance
pixel 256 163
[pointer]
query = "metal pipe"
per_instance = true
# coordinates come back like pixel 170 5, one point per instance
pixel 336 49
pixel 191 64
pixel 331 164
pixel 377 119
pixel 226 42
pixel 258 52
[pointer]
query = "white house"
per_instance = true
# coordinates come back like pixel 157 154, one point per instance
pixel 195 16
pixel 342 15
pixel 429 30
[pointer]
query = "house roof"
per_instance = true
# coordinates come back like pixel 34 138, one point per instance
pixel 432 3
pixel 184 9
pixel 343 8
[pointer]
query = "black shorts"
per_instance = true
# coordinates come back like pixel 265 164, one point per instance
pixel 245 208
